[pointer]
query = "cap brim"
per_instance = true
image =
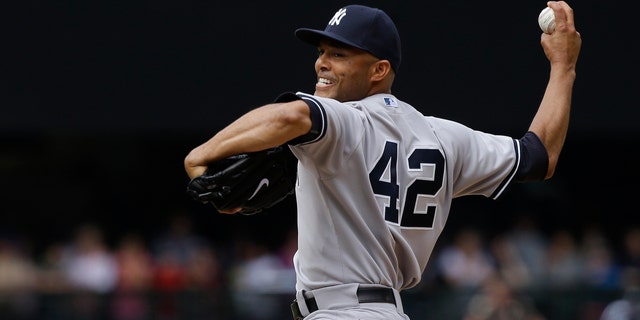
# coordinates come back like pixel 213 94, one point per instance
pixel 313 37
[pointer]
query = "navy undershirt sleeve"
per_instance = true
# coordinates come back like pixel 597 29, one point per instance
pixel 534 160
pixel 315 114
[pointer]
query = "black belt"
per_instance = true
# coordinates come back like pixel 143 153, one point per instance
pixel 365 295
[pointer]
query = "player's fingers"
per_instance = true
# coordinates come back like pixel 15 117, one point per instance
pixel 232 211
pixel 563 14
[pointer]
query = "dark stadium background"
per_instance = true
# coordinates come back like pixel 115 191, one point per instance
pixel 103 99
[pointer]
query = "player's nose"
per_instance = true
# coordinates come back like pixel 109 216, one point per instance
pixel 322 64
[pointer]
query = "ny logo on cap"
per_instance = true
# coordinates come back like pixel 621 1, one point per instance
pixel 338 16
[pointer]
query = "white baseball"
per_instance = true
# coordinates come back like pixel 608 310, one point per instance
pixel 547 20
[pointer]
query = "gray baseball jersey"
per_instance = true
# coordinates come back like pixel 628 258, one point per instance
pixel 375 187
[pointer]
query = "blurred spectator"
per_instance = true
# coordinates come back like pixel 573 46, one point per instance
pixel 134 283
pixel 465 263
pixel 135 264
pixel 630 257
pixel 600 271
pixel 203 282
pixel 628 307
pixel 52 277
pixel 202 270
pixel 510 264
pixel 87 262
pixel 172 251
pixel 600 267
pixel 563 264
pixel 530 244
pixel 90 268
pixel 168 282
pixel 169 273
pixel 53 285
pixel 262 285
pixel 498 301
pixel 17 282
pixel 179 240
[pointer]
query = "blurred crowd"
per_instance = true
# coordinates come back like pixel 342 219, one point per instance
pixel 179 274
pixel 175 274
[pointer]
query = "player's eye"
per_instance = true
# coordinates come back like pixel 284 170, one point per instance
pixel 330 52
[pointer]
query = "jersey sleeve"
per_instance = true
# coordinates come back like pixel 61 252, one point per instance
pixel 337 130
pixel 478 163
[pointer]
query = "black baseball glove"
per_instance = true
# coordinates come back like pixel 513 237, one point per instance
pixel 251 181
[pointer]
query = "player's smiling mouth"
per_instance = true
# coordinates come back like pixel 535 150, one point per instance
pixel 324 82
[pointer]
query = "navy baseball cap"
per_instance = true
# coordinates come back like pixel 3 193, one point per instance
pixel 363 27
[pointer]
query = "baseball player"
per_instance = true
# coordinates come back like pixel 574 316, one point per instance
pixel 376 177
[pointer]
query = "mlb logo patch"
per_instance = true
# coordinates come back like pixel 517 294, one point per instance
pixel 390 102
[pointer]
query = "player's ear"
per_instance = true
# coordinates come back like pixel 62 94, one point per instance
pixel 380 69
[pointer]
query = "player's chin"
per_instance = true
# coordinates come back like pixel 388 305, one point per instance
pixel 324 91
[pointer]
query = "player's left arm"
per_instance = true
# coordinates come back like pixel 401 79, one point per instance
pixel 562 47
pixel 265 127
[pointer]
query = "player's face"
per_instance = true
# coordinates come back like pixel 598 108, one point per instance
pixel 343 72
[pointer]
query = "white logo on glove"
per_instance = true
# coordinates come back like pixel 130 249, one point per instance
pixel 263 182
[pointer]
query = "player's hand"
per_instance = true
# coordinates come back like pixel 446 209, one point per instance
pixel 562 47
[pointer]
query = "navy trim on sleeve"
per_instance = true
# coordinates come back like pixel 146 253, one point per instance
pixel 506 182
pixel 317 114
pixel 286 97
pixel 534 161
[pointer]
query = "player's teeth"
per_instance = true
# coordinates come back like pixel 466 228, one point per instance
pixel 324 81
